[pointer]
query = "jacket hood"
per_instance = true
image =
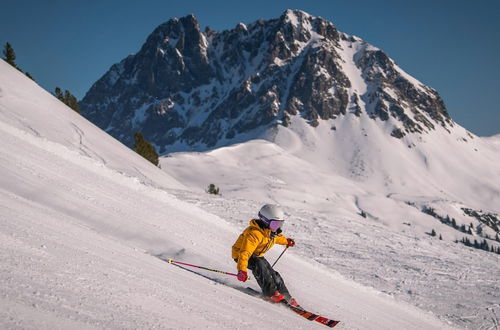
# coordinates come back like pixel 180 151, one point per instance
pixel 254 223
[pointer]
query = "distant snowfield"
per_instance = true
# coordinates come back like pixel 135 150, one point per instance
pixel 81 217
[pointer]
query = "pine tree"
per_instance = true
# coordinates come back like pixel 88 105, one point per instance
pixel 58 93
pixel 145 149
pixel 485 246
pixel 466 241
pixel 10 55
pixel 433 232
pixel 71 101
pixel 213 189
pixel 67 98
pixel 440 237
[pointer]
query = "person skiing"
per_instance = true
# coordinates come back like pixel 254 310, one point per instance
pixel 249 249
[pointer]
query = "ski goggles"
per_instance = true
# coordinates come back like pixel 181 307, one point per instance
pixel 275 224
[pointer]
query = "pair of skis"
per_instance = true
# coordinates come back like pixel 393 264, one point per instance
pixel 302 312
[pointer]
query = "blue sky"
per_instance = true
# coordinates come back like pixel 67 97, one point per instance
pixel 452 46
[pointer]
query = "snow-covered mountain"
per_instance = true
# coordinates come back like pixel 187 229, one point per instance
pixel 190 90
pixel 81 217
pixel 327 98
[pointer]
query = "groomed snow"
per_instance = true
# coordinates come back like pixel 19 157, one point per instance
pixel 82 216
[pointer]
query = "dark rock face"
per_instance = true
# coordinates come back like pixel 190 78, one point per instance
pixel 424 104
pixel 200 89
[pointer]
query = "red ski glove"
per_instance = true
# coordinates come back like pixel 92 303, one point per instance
pixel 291 242
pixel 242 276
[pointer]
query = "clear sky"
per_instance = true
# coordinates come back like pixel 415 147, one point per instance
pixel 450 45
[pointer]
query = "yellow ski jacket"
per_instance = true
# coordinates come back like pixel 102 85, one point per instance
pixel 254 241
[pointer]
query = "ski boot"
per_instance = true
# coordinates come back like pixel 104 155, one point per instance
pixel 276 297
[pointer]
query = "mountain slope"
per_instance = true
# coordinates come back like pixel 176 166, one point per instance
pixel 46 117
pixel 494 140
pixel 77 237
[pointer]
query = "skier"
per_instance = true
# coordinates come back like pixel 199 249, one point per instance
pixel 249 249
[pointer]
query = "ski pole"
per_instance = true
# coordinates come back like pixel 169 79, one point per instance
pixel 171 261
pixel 279 257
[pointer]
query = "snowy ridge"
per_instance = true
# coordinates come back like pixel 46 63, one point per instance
pixel 77 239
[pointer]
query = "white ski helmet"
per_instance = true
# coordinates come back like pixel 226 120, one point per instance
pixel 272 213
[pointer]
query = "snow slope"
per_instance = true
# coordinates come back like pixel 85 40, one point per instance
pixel 493 140
pixel 40 114
pixel 81 218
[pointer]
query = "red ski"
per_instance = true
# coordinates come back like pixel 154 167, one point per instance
pixel 312 316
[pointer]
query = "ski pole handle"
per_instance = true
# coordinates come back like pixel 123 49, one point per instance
pixel 171 261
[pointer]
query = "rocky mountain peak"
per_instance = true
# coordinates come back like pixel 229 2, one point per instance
pixel 304 26
pixel 190 90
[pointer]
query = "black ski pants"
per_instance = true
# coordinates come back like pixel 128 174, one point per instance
pixel 268 279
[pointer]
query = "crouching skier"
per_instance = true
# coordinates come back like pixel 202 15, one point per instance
pixel 249 249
